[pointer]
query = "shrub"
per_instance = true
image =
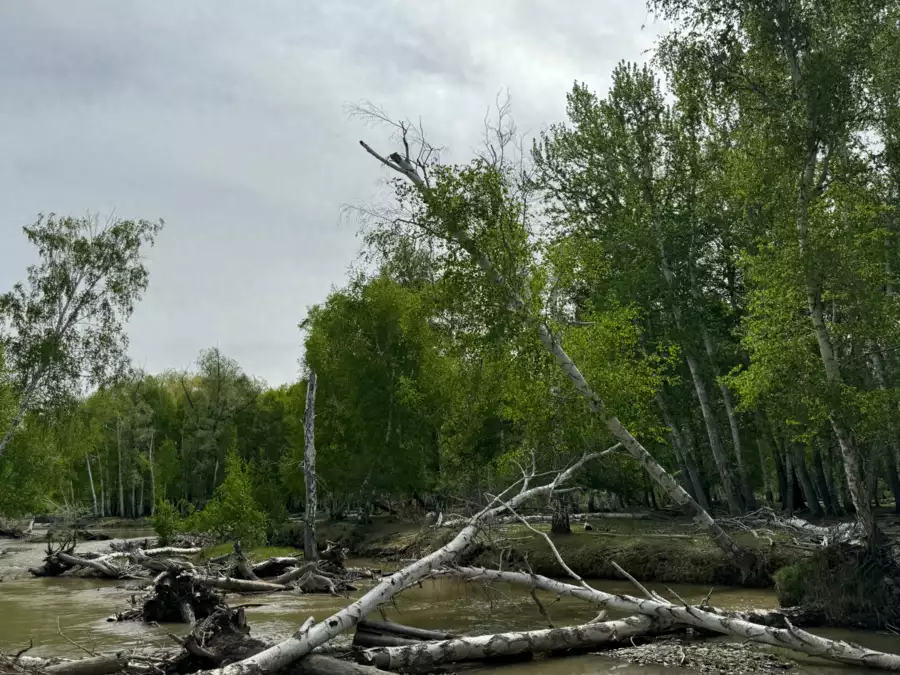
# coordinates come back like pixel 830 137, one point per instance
pixel 851 585
pixel 789 586
pixel 233 514
pixel 165 521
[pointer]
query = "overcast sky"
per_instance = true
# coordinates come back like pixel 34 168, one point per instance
pixel 227 119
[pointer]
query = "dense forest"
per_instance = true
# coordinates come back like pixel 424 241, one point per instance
pixel 708 251
pixel 675 308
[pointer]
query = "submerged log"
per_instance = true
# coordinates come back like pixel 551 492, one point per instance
pixel 102 567
pixel 94 665
pixel 240 585
pixel 302 643
pixel 401 630
pixel 224 638
pixel 177 597
pixel 578 517
pixel 273 567
pixel 424 656
pixel 294 573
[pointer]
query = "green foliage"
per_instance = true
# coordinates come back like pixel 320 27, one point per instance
pixel 849 585
pixel 166 521
pixel 233 514
pixel 66 321
pixel 789 585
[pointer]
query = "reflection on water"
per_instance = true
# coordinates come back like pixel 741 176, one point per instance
pixel 30 609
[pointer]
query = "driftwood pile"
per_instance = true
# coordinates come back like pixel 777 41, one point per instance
pixel 219 640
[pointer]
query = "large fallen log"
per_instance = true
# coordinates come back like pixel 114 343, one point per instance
pixel 64 559
pixel 401 630
pixel 102 567
pixel 304 641
pixel 578 517
pixel 788 637
pixel 241 585
pixel 225 638
pixel 273 567
pixel 94 665
pixel 16 531
pixel 424 656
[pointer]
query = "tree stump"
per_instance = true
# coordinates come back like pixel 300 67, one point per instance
pixel 560 521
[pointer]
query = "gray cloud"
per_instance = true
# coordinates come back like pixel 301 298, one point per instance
pixel 228 120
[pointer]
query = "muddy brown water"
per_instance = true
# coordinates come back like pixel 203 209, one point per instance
pixel 53 612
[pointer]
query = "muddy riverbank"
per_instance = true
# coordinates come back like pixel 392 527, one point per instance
pixel 669 550
pixel 53 611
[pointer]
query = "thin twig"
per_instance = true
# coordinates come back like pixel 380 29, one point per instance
pixel 630 578
pixel 71 641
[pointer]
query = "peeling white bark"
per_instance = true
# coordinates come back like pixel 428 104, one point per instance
pixel 426 656
pixel 790 638
pixel 743 558
pixel 578 517
pixel 303 642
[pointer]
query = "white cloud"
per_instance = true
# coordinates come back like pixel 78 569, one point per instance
pixel 227 119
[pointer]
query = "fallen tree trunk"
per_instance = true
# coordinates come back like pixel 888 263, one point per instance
pixel 273 567
pixel 225 638
pixel 403 631
pixel 579 517
pixel 95 665
pixel 424 656
pixel 788 637
pixel 294 573
pixel 299 645
pixel 151 552
pixel 456 233
pixel 241 585
pixel 98 565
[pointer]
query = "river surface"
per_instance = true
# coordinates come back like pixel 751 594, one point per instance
pixel 55 612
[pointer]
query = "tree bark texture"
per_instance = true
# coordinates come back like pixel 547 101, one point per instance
pixel 310 550
pixel 426 656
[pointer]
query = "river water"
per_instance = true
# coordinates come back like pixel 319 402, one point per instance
pixel 53 611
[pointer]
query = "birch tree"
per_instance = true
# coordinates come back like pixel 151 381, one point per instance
pixel 800 74
pixel 310 548
pixel 477 210
pixel 65 323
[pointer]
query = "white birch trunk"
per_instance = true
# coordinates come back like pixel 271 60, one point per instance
pixel 426 656
pixel 790 638
pixel 152 476
pixel 715 440
pixel 303 642
pixel 746 488
pixel 103 509
pixel 121 484
pixel 92 665
pixel 709 419
pixel 310 549
pixel 87 459
pixel 743 558
pixel 849 451
pixel 683 446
